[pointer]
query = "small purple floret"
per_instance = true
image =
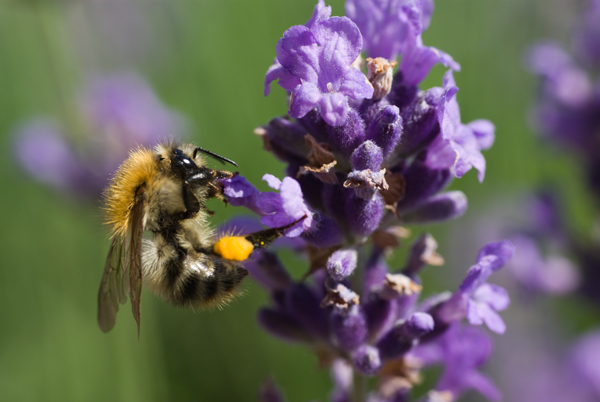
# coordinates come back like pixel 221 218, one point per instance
pixel 367 360
pixel 315 68
pixel 341 264
pixel 477 300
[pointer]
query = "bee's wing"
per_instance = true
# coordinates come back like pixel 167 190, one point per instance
pixel 112 287
pixel 133 262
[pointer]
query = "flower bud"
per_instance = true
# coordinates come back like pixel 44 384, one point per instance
pixel 366 360
pixel 438 208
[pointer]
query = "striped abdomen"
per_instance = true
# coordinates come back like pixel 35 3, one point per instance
pixel 188 278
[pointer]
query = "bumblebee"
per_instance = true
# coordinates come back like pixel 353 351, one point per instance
pixel 164 191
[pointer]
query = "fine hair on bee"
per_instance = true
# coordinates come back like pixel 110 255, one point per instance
pixel 164 191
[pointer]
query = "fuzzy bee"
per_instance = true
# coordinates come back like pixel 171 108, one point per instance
pixel 164 191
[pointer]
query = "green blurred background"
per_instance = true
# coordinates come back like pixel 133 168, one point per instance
pixel 207 59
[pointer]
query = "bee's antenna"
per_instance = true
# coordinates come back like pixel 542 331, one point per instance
pixel 214 155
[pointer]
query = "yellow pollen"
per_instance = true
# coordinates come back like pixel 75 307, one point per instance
pixel 235 248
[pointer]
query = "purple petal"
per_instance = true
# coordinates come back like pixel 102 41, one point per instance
pixel 500 252
pixel 272 181
pixel 320 13
pixel 286 79
pixel 356 85
pixel 441 154
pixel 482 312
pixel 495 296
pixel 341 42
pixel 298 53
pixel 305 97
pixel 484 132
pixel 268 203
pixel 334 108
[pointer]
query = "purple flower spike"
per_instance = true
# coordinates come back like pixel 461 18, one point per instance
pixel 341 264
pixel 46 155
pixel 367 156
pixel 386 128
pixel 316 68
pixel 403 337
pixel 349 327
pixel 438 208
pixel 366 360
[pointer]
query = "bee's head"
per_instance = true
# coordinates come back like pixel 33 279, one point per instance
pixel 182 165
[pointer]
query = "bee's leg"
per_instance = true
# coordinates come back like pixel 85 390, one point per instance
pixel 239 248
pixel 268 236
pixel 191 202
pixel 215 189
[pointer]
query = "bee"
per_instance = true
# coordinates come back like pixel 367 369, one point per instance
pixel 164 191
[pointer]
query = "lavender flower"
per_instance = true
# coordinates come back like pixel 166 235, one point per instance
pixel 476 299
pixel 365 153
pixel 316 68
pixel 119 112
pixel 567 110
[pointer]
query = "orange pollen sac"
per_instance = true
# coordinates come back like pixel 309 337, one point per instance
pixel 235 248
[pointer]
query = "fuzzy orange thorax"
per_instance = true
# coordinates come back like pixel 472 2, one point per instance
pixel 137 170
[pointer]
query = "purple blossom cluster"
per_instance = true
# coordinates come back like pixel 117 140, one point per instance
pixel 366 155
pixel 567 112
pixel 567 108
pixel 117 113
